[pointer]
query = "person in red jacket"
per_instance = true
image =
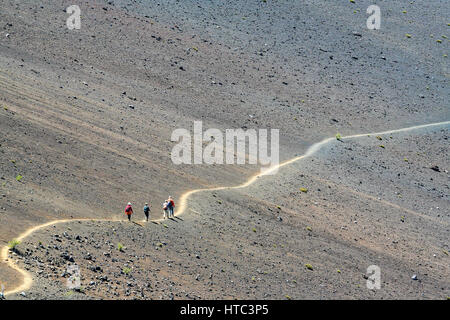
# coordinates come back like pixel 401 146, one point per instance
pixel 171 206
pixel 129 211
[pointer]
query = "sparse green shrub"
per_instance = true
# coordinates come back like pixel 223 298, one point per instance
pixel 13 244
pixel 120 246
pixel 69 293
pixel 308 266
pixel 126 270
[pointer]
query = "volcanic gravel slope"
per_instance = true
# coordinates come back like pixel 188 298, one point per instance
pixel 86 115
pixel 257 242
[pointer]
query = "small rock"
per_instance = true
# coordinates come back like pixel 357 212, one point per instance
pixel 435 168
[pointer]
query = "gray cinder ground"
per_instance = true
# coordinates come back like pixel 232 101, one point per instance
pixel 310 68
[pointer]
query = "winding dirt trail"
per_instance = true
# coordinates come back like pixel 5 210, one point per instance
pixel 27 279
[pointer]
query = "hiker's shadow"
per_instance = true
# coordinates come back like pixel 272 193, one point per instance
pixel 178 219
pixel 173 219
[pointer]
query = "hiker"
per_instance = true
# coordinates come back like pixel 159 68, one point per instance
pixel 166 208
pixel 129 211
pixel 171 206
pixel 146 210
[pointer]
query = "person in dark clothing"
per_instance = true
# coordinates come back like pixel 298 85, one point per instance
pixel 146 211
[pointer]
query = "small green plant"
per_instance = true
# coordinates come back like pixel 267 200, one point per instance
pixel 13 244
pixel 308 266
pixel 254 229
pixel 309 228
pixel 305 190
pixel 69 293
pixel 338 137
pixel 381 146
pixel 19 178
pixel 126 270
pixel 288 297
pixel 120 246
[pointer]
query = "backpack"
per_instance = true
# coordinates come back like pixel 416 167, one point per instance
pixel 128 209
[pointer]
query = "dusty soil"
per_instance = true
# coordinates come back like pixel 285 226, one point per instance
pixel 310 69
